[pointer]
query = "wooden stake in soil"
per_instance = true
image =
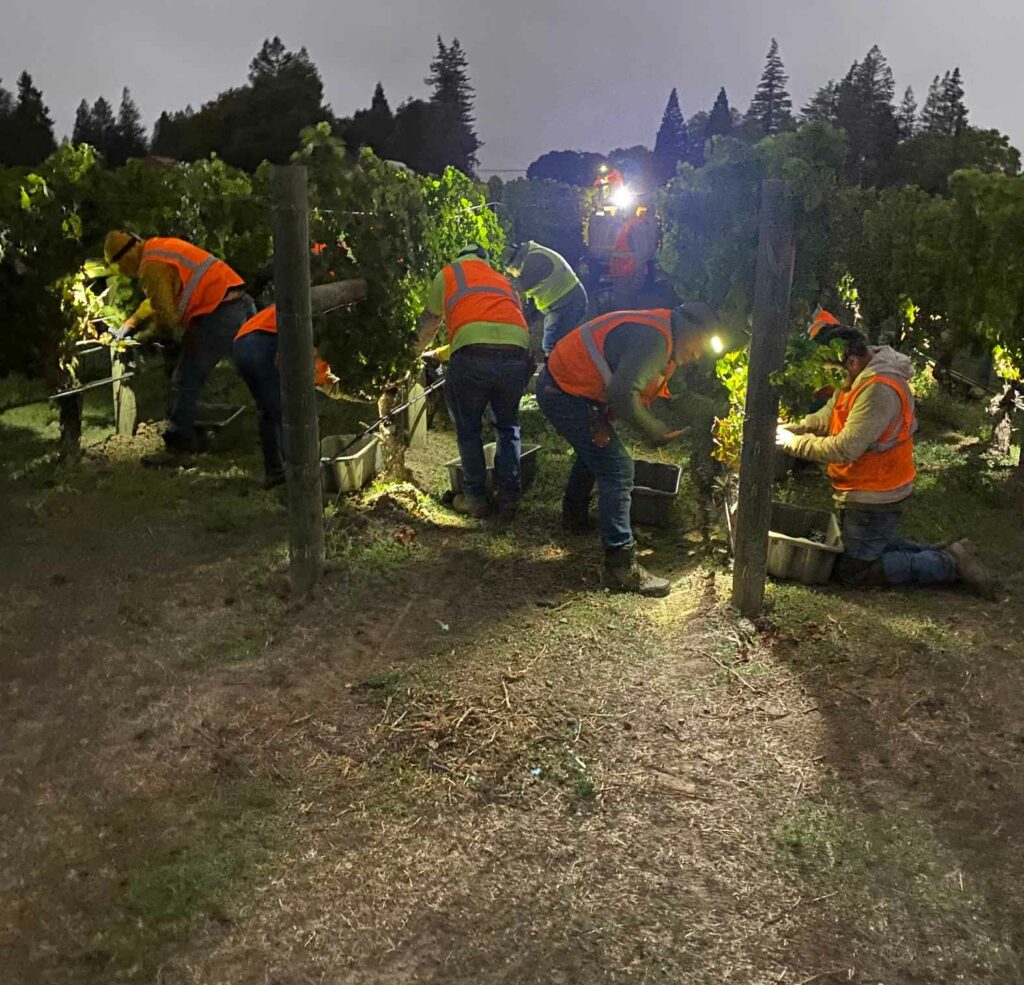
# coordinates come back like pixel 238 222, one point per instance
pixel 775 255
pixel 125 413
pixel 295 356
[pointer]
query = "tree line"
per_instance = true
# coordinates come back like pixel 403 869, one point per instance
pixel 887 143
pixel 261 120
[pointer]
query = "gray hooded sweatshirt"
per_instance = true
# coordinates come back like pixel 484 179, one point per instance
pixel 871 415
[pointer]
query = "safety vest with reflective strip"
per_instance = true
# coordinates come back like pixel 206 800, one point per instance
pixel 889 463
pixel 622 262
pixel 205 280
pixel 266 321
pixel 557 284
pixel 578 365
pixel 475 292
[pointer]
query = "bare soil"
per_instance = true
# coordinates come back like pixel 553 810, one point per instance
pixel 463 762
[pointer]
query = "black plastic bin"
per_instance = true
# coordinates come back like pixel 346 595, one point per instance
pixel 655 486
pixel 527 467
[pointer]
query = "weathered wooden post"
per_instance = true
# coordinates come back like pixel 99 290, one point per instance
pixel 306 551
pixel 125 408
pixel 775 256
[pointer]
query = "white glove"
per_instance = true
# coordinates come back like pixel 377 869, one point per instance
pixel 784 438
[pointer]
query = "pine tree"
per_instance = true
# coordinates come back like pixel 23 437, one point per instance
pixel 720 118
pixel 945 112
pixel 932 112
pixel 955 109
pixel 823 105
pixel 906 117
pixel 453 93
pixel 83 131
pixel 672 144
pixel 7 126
pixel 771 109
pixel 864 109
pixel 30 139
pixel 130 135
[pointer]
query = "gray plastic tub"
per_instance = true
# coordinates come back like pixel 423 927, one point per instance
pixel 353 470
pixel 655 487
pixel 803 543
pixel 527 467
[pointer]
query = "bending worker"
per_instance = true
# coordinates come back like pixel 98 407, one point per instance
pixel 255 354
pixel 616 364
pixel 489 364
pixel 184 286
pixel 865 435
pixel 547 278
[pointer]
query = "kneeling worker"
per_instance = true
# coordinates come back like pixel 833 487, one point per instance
pixel 184 286
pixel 547 279
pixel 865 435
pixel 617 363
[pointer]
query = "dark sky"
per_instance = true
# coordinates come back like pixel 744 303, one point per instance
pixel 549 74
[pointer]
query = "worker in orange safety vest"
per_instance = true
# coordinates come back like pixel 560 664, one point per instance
pixel 618 364
pixel 489 365
pixel 864 436
pixel 255 355
pixel 189 289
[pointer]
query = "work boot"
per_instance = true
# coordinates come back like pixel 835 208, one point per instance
pixel 970 569
pixel 577 519
pixel 468 506
pixel 169 458
pixel 623 573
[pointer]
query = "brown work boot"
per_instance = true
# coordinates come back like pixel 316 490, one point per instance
pixel 468 506
pixel 970 569
pixel 623 573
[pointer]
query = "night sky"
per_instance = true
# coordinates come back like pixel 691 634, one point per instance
pixel 548 75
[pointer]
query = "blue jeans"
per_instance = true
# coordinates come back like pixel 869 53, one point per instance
pixel 205 343
pixel 479 375
pixel 874 552
pixel 611 467
pixel 256 358
pixel 560 320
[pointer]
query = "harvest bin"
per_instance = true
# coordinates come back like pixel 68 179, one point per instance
pixel 527 467
pixel 792 553
pixel 353 470
pixel 655 487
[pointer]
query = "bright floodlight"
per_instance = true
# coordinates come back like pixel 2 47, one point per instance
pixel 717 345
pixel 622 197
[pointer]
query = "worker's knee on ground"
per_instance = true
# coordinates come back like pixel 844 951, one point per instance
pixel 852 572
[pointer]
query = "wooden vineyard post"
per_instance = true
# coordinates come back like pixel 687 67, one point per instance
pixel 306 550
pixel 125 409
pixel 775 256
pixel 416 416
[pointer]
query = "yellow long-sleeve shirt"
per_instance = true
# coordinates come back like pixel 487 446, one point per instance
pixel 162 286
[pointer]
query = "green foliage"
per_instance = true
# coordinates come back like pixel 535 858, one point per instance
pixel 547 212
pixel 395 228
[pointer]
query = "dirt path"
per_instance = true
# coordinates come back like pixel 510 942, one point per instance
pixel 460 763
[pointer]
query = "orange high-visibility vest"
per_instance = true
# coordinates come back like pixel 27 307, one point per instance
pixel 266 321
pixel 889 463
pixel 577 363
pixel 205 280
pixel 622 262
pixel 474 292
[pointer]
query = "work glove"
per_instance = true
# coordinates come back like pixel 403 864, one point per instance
pixel 125 331
pixel 784 438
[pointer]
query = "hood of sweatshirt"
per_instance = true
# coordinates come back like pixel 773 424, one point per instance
pixel 887 361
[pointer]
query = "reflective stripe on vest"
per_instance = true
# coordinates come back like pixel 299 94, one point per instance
pixel 474 292
pixel 198 271
pixel 463 290
pixel 557 284
pixel 889 462
pixel 580 355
